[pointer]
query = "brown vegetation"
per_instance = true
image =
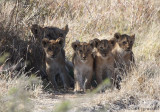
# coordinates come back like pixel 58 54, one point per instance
pixel 87 19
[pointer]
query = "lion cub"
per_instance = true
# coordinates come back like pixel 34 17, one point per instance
pixel 55 61
pixel 83 65
pixel 124 57
pixel 122 51
pixel 104 60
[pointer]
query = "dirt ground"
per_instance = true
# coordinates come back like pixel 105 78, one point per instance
pixel 99 102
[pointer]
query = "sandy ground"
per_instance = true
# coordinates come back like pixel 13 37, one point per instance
pixel 47 102
pixel 94 103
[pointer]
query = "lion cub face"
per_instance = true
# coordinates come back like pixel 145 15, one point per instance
pixel 52 47
pixel 104 47
pixel 82 50
pixel 124 41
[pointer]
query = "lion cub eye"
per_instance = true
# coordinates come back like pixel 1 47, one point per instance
pixel 124 42
pixel 36 31
pixel 101 48
pixel 49 48
pixel 60 35
pixel 80 51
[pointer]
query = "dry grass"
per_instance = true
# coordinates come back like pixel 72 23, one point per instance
pixel 16 93
pixel 88 19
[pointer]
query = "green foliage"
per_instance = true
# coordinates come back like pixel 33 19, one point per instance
pixel 63 107
pixel 17 97
pixel 102 86
pixel 3 58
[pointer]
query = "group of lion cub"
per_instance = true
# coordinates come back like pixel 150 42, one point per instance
pixel 99 58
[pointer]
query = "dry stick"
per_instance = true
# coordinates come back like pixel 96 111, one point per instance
pixel 11 18
pixel 61 5
pixel 88 10
pixel 16 22
pixel 38 11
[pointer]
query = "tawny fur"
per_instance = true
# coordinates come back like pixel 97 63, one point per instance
pixel 123 59
pixel 123 55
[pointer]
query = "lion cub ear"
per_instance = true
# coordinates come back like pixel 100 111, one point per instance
pixel 66 29
pixel 96 42
pixel 112 42
pixel 75 45
pixel 60 41
pixel 117 36
pixel 45 41
pixel 35 29
pixel 92 43
pixel 133 37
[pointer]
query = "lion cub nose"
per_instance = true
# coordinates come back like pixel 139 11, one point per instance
pixel 128 48
pixel 84 57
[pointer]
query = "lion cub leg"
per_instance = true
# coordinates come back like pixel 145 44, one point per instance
pixel 53 80
pixel 99 76
pixel 78 81
pixel 55 83
pixel 102 75
pixel 64 78
pixel 77 84
pixel 88 79
pixel 112 78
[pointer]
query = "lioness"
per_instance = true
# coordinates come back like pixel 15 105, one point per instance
pixel 52 33
pixel 55 61
pixel 124 57
pixel 104 60
pixel 83 65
